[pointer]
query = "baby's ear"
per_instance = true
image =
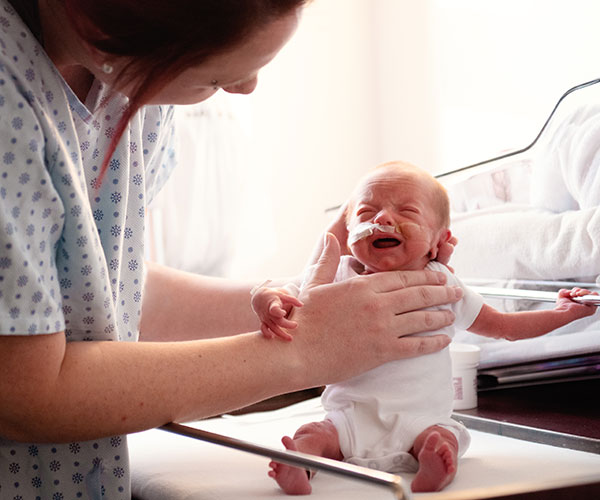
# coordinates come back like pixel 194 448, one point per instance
pixel 443 237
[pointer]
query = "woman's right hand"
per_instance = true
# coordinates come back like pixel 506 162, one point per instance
pixel 348 327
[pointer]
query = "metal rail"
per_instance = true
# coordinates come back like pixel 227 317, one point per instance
pixel 537 295
pixel 531 144
pixel 394 483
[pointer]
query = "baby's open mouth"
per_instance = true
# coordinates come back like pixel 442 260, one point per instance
pixel 386 243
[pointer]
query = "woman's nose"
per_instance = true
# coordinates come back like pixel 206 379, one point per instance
pixel 246 87
pixel 384 218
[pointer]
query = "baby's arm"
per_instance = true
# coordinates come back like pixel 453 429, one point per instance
pixel 272 306
pixel 528 324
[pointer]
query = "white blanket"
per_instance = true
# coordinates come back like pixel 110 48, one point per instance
pixel 524 242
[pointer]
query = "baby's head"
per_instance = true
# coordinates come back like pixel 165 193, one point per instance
pixel 397 217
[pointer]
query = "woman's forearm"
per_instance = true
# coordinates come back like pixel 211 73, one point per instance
pixel 87 390
pixel 186 306
pixel 180 305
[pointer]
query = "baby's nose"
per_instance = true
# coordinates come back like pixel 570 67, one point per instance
pixel 384 218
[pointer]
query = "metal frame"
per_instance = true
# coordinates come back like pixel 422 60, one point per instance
pixel 526 148
pixel 394 483
pixel 537 295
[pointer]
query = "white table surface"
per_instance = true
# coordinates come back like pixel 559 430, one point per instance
pixel 166 466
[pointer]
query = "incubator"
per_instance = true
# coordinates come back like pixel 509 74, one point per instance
pixel 528 224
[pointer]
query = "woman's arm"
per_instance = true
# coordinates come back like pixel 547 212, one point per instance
pixel 184 306
pixel 55 391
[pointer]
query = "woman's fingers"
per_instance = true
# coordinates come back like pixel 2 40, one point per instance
pixel 420 297
pixel 418 346
pixel 421 321
pixel 395 280
pixel 405 291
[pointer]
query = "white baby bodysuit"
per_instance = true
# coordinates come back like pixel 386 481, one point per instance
pixel 379 414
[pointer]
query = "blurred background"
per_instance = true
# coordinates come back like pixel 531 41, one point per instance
pixel 438 83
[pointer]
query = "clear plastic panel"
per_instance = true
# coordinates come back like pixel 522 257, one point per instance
pixel 528 224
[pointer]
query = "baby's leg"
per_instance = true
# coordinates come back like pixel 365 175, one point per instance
pixel 316 438
pixel 436 450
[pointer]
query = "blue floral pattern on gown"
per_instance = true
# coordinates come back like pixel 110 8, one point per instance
pixel 71 247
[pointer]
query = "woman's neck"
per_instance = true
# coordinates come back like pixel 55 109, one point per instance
pixel 79 79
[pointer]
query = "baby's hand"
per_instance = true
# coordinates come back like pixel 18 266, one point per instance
pixel 566 303
pixel 273 306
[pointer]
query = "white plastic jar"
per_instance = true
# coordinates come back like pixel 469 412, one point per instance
pixel 465 360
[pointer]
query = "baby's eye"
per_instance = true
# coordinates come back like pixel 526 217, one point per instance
pixel 411 210
pixel 364 210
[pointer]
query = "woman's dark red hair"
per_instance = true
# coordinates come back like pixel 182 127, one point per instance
pixel 162 38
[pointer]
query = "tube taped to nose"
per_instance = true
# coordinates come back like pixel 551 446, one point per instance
pixel 366 229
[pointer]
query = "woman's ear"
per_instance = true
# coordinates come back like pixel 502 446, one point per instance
pixel 100 59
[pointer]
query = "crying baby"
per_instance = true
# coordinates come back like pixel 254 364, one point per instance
pixel 397 417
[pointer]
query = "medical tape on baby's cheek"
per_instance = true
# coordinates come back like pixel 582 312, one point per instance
pixel 410 230
pixel 366 229
pixel 414 233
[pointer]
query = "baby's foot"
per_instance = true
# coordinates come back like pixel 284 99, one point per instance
pixel 292 480
pixel 437 464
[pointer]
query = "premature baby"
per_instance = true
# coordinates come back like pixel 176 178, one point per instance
pixel 397 417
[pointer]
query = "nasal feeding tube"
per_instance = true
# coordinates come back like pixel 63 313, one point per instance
pixel 366 229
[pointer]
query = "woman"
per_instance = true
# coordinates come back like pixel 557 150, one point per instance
pixel 84 145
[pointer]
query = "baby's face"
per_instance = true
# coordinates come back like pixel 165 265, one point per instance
pixel 404 202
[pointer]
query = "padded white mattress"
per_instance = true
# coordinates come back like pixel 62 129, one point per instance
pixel 166 466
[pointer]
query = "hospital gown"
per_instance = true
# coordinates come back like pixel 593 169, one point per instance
pixel 71 247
